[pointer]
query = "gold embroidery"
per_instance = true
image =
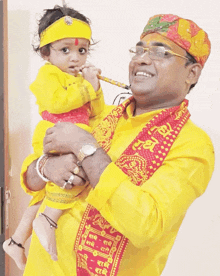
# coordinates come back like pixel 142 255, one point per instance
pixel 90 243
pixel 149 144
pixel 135 167
pixel 179 113
pixel 110 260
pixel 100 263
pixel 93 236
pixel 109 243
pixel 102 223
pixel 82 262
pixel 139 161
pixel 118 238
pixel 103 133
pixel 163 130
pixel 105 249
pixel 106 264
pixel 101 271
pixel 65 198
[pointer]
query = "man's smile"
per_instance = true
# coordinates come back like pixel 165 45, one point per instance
pixel 142 74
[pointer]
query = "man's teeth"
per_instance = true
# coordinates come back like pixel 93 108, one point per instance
pixel 143 74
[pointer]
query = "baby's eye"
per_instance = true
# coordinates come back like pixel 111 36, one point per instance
pixel 82 51
pixel 65 50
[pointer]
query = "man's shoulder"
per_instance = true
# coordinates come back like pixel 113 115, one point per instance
pixel 192 132
pixel 193 141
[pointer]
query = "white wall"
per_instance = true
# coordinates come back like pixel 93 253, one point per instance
pixel 117 24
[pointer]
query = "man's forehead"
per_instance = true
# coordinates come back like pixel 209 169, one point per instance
pixel 153 43
pixel 155 39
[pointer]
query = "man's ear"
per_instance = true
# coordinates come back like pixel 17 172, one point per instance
pixel 195 70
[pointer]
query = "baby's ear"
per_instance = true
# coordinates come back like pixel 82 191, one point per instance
pixel 47 58
pixel 45 52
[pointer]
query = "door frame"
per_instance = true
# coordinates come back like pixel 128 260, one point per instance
pixel 4 168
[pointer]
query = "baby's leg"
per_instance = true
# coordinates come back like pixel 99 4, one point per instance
pixel 14 246
pixel 44 226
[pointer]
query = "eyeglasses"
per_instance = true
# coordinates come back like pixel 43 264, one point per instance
pixel 154 52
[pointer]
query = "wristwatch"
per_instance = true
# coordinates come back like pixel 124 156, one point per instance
pixel 85 151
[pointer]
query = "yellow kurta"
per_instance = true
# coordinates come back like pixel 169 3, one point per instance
pixel 149 216
pixel 58 92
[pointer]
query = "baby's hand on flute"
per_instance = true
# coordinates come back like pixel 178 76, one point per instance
pixel 90 73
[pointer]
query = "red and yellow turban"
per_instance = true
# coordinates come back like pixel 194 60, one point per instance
pixel 183 32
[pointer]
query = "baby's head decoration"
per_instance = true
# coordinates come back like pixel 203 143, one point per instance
pixel 69 27
pixel 65 27
pixel 183 32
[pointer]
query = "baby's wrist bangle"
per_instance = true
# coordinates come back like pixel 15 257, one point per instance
pixel 40 165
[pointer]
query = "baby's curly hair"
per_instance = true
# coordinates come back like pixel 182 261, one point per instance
pixel 49 17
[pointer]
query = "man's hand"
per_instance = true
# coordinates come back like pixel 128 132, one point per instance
pixel 66 138
pixel 60 168
pixel 69 138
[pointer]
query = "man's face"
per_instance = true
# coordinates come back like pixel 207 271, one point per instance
pixel 159 81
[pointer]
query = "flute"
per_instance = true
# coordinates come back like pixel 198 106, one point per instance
pixel 122 85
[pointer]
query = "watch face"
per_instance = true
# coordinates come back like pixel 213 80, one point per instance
pixel 88 149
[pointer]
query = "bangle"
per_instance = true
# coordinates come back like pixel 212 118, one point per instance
pixel 39 166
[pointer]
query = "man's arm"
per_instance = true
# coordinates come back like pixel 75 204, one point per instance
pixel 32 179
pixel 67 137
pixel 143 214
pixel 56 170
pixel 95 165
pixel 147 213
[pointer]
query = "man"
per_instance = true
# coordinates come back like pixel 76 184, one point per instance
pixel 152 164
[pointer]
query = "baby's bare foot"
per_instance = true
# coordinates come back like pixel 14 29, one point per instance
pixel 15 252
pixel 46 234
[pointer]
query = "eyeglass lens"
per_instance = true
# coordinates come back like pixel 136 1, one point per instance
pixel 154 52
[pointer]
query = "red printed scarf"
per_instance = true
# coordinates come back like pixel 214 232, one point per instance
pixel 99 247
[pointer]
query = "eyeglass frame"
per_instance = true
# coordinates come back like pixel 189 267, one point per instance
pixel 147 49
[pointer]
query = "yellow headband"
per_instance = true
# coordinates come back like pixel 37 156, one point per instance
pixel 65 27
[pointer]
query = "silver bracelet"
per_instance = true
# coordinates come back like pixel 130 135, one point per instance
pixel 37 167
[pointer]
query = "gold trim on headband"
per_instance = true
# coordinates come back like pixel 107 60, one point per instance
pixel 65 27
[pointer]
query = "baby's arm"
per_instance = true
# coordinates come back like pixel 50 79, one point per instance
pixel 90 73
pixel 98 104
pixel 58 92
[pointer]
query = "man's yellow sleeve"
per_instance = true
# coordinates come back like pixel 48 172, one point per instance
pixel 146 213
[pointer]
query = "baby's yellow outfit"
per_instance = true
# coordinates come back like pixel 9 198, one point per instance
pixel 62 97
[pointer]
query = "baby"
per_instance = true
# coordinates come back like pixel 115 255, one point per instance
pixel 67 90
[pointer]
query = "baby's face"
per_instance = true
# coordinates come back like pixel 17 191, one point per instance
pixel 69 54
